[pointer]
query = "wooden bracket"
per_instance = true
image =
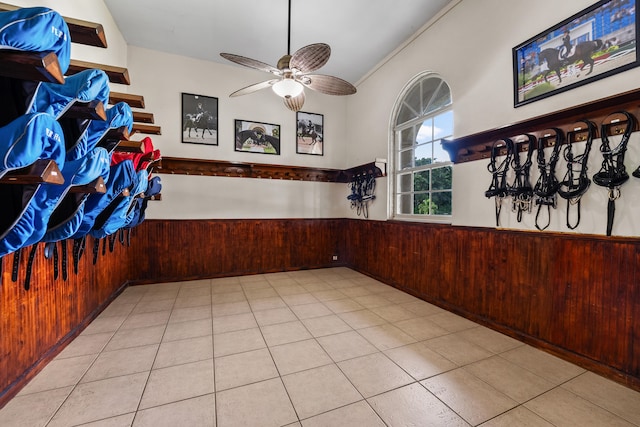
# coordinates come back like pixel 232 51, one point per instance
pixel 38 66
pixel 115 74
pixel 130 147
pixel 41 171
pixel 96 186
pixel 139 116
pixel 146 129
pixel 134 101
pixel 93 110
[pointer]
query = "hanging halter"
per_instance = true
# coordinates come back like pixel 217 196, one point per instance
pixel 521 190
pixel 499 188
pixel 576 182
pixel 613 173
pixel 547 185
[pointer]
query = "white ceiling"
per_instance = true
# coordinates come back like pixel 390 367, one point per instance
pixel 361 33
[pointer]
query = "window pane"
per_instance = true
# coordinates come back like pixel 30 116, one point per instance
pixel 441 178
pixel 429 86
pixel 407 138
pixel 425 133
pixel 439 153
pixel 406 159
pixel 423 154
pixel 405 205
pixel 443 125
pixel 404 183
pixel 421 204
pixel 441 203
pixel 421 181
pixel 440 100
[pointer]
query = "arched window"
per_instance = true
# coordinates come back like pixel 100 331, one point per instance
pixel 422 168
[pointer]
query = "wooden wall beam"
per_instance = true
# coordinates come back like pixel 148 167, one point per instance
pixel 477 146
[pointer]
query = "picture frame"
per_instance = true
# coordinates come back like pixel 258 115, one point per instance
pixel 595 43
pixel 199 119
pixel 309 133
pixel 257 137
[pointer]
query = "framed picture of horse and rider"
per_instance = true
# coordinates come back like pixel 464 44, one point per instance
pixel 309 133
pixel 596 42
pixel 199 119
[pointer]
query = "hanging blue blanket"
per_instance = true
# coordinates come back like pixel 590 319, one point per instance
pixel 67 216
pixel 55 98
pixel 76 173
pixel 121 176
pixel 121 210
pixel 29 138
pixel 118 116
pixel 36 29
pixel 154 188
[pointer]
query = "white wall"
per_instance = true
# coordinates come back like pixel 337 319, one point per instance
pixel 470 47
pixel 162 78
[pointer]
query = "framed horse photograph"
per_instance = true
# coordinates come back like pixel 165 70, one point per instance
pixel 199 119
pixel 595 43
pixel 309 133
pixel 257 137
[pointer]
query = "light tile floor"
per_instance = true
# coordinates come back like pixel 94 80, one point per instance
pixel 327 347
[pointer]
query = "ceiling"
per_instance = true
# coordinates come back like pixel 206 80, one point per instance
pixel 361 33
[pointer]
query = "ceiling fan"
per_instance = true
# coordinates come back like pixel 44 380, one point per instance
pixel 292 73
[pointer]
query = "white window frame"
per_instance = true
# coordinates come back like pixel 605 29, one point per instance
pixel 394 154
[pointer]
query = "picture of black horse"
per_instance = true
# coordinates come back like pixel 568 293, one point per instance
pixel 596 42
pixel 199 119
pixel 582 52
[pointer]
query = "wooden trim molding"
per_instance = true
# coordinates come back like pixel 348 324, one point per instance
pixel 478 146
pixel 186 166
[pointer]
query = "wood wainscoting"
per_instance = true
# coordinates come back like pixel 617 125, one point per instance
pixel 575 296
pixel 36 324
pixel 193 249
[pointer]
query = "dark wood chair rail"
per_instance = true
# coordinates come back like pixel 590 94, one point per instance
pixel 185 166
pixel 478 146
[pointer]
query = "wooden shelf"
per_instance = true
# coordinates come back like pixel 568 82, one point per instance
pixel 38 66
pixel 115 74
pixel 478 146
pixel 82 32
pixel 130 147
pixel 141 117
pixel 93 110
pixel 146 129
pixel 134 101
pixel 42 171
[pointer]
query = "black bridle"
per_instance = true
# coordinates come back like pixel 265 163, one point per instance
pixel 547 185
pixel 498 187
pixel 576 182
pixel 613 173
pixel 521 191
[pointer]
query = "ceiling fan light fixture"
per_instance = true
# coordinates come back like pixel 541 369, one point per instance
pixel 288 87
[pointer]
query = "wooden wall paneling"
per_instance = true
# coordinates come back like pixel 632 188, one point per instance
pixel 575 296
pixel 191 249
pixel 36 324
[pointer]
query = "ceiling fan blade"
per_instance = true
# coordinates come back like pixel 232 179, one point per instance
pixel 294 103
pixel 328 85
pixel 254 88
pixel 311 57
pixel 251 63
